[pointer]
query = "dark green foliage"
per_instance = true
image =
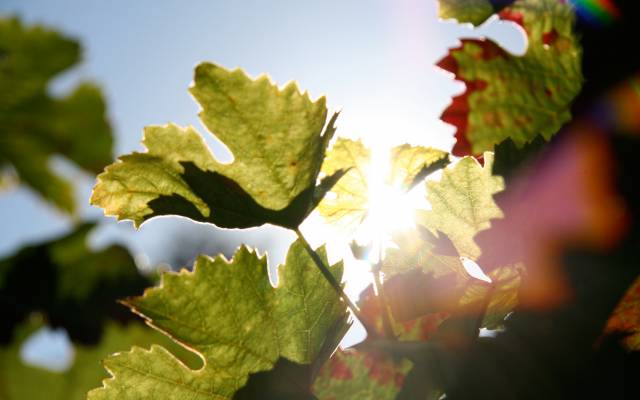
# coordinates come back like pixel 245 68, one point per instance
pixel 74 286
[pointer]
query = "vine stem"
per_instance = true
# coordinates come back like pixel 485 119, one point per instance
pixel 333 282
pixel 483 310
pixel 382 298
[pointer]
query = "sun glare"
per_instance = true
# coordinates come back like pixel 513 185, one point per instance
pixel 391 208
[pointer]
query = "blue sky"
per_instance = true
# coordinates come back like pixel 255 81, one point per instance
pixel 373 59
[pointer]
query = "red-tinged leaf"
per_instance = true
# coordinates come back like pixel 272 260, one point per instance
pixel 517 97
pixel 356 374
pixel 626 317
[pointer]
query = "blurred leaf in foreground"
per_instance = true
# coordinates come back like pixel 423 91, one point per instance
pixel 20 381
pixel 73 286
pixel 36 126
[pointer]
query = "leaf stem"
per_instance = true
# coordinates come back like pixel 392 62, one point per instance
pixel 333 282
pixel 382 299
pixel 482 312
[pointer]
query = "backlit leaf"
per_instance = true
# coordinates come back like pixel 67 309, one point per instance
pixel 347 202
pixel 517 97
pixel 227 312
pixel 410 164
pixel 473 11
pixel 275 136
pixel 462 203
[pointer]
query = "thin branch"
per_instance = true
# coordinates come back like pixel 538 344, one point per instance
pixel 334 283
pixel 483 310
pixel 382 299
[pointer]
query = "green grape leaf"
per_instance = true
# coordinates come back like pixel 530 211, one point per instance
pixel 228 312
pixel 411 164
pixel 36 126
pixel 76 287
pixel 517 97
pixel 20 381
pixel 364 372
pixel 348 200
pixel 418 248
pixel 361 374
pixel 462 203
pixel 473 11
pixel 503 292
pixel 277 140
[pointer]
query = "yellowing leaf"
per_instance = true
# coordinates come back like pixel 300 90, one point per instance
pixel 346 204
pixel 462 203
pixel 227 312
pixel 418 248
pixel 473 11
pixel 276 139
pixel 409 164
pixel 516 97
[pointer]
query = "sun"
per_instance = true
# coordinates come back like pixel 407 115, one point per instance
pixel 391 208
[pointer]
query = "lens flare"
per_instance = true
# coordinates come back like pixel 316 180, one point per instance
pixel 597 12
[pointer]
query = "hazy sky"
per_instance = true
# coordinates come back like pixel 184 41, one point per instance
pixel 373 59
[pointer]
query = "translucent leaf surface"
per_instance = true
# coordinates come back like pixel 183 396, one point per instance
pixel 227 312
pixel 359 374
pixel 473 11
pixel 348 202
pixel 275 136
pixel 517 97
pixel 409 164
pixel 462 203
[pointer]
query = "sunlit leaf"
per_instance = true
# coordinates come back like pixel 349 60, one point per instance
pixel 361 374
pixel 473 11
pixel 410 164
pixel 227 312
pixel 418 248
pixel 275 136
pixel 517 97
pixel 347 202
pixel 462 203
pixel 37 126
